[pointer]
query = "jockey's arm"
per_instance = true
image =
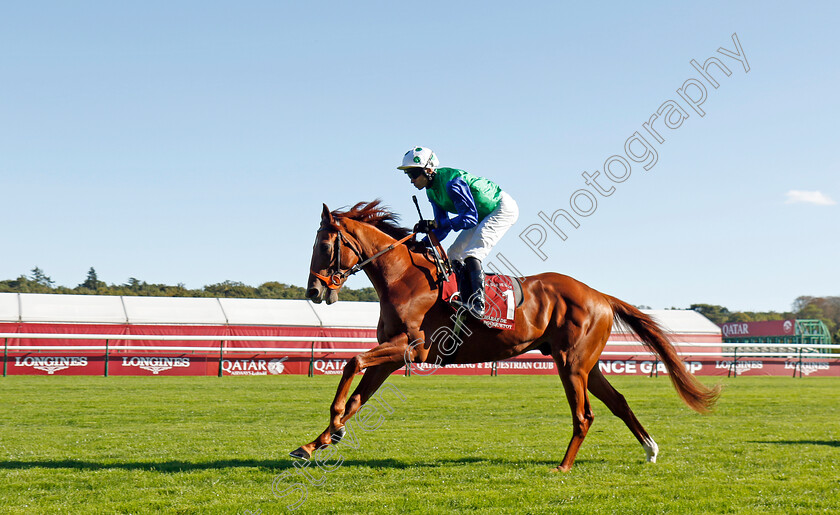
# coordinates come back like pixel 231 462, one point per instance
pixel 464 202
pixel 462 197
pixel 442 219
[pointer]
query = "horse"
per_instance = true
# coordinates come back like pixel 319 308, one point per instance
pixel 559 315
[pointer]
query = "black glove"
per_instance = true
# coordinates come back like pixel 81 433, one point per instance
pixel 425 226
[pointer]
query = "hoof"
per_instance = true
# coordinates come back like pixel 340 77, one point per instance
pixel 560 469
pixel 300 453
pixel 651 450
pixel 338 434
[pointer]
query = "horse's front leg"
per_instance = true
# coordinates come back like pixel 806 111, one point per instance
pixel 391 352
pixel 336 411
pixel 370 383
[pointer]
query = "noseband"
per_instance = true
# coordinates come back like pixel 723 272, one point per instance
pixel 336 280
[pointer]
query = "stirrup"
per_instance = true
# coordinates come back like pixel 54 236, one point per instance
pixel 476 309
pixel 464 307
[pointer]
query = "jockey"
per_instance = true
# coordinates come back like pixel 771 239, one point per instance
pixel 483 213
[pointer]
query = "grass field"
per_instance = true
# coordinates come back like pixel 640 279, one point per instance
pixel 480 444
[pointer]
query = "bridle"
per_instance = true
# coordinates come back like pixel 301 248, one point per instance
pixel 335 280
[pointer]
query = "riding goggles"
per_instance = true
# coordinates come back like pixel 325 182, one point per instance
pixel 414 173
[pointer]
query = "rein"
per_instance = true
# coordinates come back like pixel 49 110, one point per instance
pixel 335 280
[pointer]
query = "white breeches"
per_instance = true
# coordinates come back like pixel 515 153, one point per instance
pixel 479 241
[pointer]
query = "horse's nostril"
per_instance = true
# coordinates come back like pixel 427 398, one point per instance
pixel 311 293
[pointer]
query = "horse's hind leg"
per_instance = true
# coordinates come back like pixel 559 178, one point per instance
pixel 574 382
pixel 604 391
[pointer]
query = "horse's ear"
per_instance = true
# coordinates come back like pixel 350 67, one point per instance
pixel 326 215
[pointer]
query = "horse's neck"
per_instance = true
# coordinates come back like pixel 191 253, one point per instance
pixel 390 268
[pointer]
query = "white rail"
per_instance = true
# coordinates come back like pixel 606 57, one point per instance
pixel 730 352
pixel 634 349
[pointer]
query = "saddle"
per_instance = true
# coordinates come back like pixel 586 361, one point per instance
pixel 503 294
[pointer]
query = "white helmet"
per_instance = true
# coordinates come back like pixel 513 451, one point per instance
pixel 419 157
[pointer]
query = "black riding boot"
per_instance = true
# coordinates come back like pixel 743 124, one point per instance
pixel 463 281
pixel 474 297
pixel 458 270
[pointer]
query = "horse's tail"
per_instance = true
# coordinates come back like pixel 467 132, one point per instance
pixel 698 397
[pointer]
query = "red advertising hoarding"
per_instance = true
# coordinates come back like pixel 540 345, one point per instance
pixel 624 355
pixel 766 328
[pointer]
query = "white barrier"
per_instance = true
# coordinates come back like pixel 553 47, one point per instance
pixel 310 339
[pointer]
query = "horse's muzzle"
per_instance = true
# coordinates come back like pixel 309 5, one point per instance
pixel 314 294
pixel 318 293
pixel 331 296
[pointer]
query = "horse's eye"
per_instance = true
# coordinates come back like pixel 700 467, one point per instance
pixel 325 247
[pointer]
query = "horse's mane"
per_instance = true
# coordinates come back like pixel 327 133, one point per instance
pixel 379 216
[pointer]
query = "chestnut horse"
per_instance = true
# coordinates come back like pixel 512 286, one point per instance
pixel 559 315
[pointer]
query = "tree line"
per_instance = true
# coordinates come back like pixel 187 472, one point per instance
pixel 38 282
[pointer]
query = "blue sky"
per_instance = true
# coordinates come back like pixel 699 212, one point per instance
pixel 195 143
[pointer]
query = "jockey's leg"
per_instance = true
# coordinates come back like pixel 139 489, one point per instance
pixel 456 250
pixel 474 297
pixel 462 280
pixel 484 236
pixel 456 257
pixel 490 230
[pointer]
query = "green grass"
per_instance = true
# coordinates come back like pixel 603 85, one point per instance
pixel 467 444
